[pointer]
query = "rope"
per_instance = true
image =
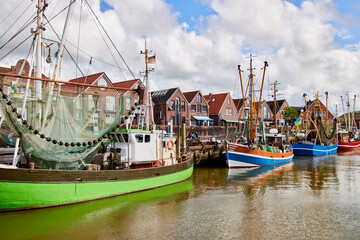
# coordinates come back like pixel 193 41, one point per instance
pixel 20 15
pixel 57 35
pixel 54 141
pixel 110 40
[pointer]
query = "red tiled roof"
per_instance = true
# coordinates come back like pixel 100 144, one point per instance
pixel 238 103
pixel 126 84
pixel 86 80
pixel 190 95
pixel 215 102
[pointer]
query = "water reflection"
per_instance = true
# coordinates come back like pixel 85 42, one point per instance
pixel 90 216
pixel 311 198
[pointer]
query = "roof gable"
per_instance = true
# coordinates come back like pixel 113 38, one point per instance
pixel 129 84
pixel 215 102
pixel 162 96
pixel 279 104
pixel 190 95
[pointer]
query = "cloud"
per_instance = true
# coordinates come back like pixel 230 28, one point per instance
pixel 297 41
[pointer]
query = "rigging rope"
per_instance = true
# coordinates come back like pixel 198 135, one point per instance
pixel 109 49
pixel 20 16
pixel 111 40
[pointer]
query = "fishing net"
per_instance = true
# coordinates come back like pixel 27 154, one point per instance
pixel 64 128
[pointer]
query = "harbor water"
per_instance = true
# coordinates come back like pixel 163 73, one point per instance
pixel 310 198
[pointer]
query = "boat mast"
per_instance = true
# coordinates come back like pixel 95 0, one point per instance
pixel 261 89
pixel 306 114
pixel 342 102
pixel 58 60
pixel 274 106
pixel 353 113
pixel 38 84
pixel 243 95
pixel 348 111
pixel 251 96
pixel 147 92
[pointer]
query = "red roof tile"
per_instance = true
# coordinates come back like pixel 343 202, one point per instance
pixel 215 102
pixel 190 95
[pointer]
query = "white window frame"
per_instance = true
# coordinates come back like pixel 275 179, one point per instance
pixel 109 118
pixel 110 103
pixel 102 82
pixel 229 112
pixel 78 102
pixel 91 103
pixel 128 103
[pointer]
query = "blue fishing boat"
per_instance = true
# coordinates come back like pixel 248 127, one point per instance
pixel 310 149
pixel 314 136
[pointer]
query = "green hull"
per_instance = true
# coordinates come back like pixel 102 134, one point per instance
pixel 26 195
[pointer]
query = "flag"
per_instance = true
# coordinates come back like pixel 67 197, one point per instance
pixel 298 122
pixel 151 59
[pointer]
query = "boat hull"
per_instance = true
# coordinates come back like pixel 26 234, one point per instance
pixel 348 145
pixel 239 156
pixel 26 189
pixel 306 149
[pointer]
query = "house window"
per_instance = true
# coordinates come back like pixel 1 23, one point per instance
pixel 183 106
pixel 109 118
pixel 78 102
pixel 229 112
pixel 78 116
pixel 110 103
pixel 193 108
pixel 172 105
pixel 199 108
pixel 10 90
pixel 95 118
pixel 28 92
pixel 204 109
pixel 228 100
pixel 198 98
pixel 91 103
pixel 102 82
pixel 128 103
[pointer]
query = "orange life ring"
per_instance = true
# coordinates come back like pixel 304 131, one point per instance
pixel 170 144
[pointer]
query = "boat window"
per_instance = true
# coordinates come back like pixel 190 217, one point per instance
pixel 120 138
pixel 147 138
pixel 139 138
pixel 113 138
pixel 126 137
pixel 164 144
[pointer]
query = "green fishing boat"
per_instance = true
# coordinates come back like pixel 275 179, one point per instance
pixel 62 128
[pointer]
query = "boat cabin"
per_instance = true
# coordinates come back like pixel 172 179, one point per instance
pixel 137 148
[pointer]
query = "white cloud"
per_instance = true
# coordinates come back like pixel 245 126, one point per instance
pixel 298 43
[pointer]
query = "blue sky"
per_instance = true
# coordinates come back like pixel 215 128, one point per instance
pixel 194 13
pixel 190 11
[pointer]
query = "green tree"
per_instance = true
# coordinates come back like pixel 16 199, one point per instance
pixel 290 115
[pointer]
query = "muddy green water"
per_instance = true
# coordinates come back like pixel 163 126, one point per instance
pixel 311 198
